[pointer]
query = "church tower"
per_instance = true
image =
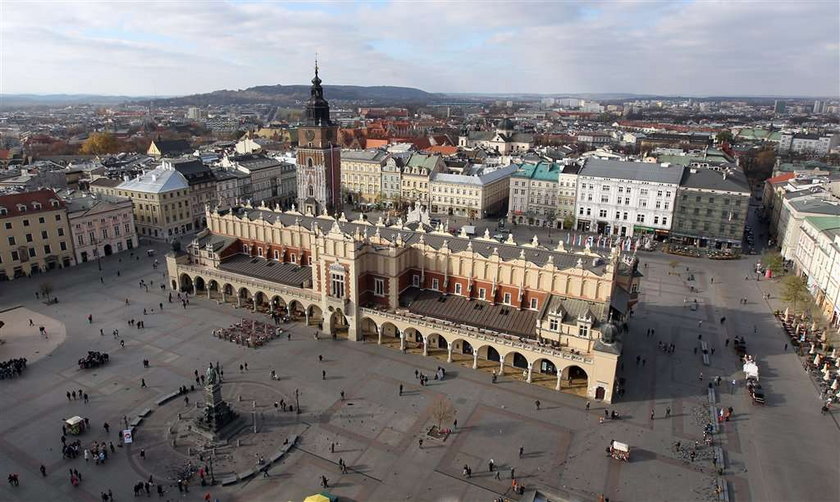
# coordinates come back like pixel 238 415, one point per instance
pixel 318 156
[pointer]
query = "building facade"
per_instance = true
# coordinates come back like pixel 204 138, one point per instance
pixel 712 208
pixel 543 315
pixel 392 179
pixel 318 156
pixel 202 185
pixel 361 175
pixel 35 234
pixel 626 198
pixel 160 200
pixel 101 225
pixel 535 195
pixel 817 258
pixel 415 177
pixel 480 193
pixel 802 143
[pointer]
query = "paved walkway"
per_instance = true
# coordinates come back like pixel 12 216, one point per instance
pixel 779 452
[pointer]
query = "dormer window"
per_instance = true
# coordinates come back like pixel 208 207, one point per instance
pixel 36 205
pixel 21 208
pixel 3 211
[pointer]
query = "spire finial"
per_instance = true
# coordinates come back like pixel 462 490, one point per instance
pixel 316 63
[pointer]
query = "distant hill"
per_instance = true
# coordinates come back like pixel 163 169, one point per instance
pixel 294 94
pixel 23 100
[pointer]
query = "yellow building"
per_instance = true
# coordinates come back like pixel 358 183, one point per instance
pixel 545 315
pixel 361 174
pixel 161 201
pixel 415 177
pixel 35 234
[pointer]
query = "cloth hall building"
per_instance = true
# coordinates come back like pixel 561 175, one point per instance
pixel 545 315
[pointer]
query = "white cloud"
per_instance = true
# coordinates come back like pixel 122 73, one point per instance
pixel 163 48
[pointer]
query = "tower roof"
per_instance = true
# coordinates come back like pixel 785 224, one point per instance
pixel 317 108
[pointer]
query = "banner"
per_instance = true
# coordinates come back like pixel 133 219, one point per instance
pixel 126 434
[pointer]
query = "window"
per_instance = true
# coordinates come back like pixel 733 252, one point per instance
pixel 81 239
pixel 104 233
pixel 664 220
pixel 260 252
pixel 602 213
pixel 507 299
pixel 659 193
pixel 588 211
pixel 25 223
pixel 605 198
pixel 15 256
pixel 379 286
pixel 457 288
pixel 583 330
pixel 28 237
pixel 534 304
pixel 656 220
pixel 47 250
pixel 625 216
pixel 643 192
pixel 337 282
pixel 8 225
pixel 482 293
pixel 32 252
pixel 640 218
pixel 435 284
pixel 553 324
pixel 41 220
pixel 63 246
pixel 61 232
pixel 658 205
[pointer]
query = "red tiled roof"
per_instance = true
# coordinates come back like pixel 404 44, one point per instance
pixel 443 150
pixel 44 197
pixel 780 178
pixel 375 143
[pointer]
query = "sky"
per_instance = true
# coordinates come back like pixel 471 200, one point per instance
pixel 163 48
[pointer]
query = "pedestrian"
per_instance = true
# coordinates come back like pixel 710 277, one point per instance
pixel 490 465
pixel 241 368
pixel 498 475
pixel 701 376
pixel 455 424
pixel 537 402
pixel 587 406
pixel 606 414
pixel 786 347
pixel 652 412
pixel 142 383
pixel 513 472
pixel 521 451
pixel 90 319
pixel 101 332
pixel 320 358
pixel 667 412
pixel 143 453
pixel 332 447
pixel 323 374
pixel 246 365
pixel 107 427
pixel 122 343
pixel 43 470
pixel 726 343
pixel 342 395
pixel 401 389
pixel 420 442
pixel 644 361
pixel 700 323
pixel 416 374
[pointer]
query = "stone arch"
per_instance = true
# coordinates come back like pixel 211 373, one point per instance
pixel 296 310
pixel 213 289
pixel 316 315
pixel 227 289
pixel 489 353
pixel 199 284
pixel 413 335
pixel 516 359
pixel 186 283
pixel 574 379
pixel 278 304
pixel 260 301
pixel 244 293
pixel 544 372
pixel 339 326
pixel 370 330
pixel 437 341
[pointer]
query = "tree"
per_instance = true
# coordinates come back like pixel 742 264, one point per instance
pixel 46 288
pixel 569 222
pixel 724 137
pixel 795 291
pixel 442 411
pixel 774 262
pixel 99 143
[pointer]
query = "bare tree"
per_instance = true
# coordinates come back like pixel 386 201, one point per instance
pixel 442 411
pixel 45 289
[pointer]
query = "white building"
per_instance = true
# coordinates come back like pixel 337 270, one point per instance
pixel 625 198
pixel 101 225
pixel 819 144
pixel 481 192
pixel 817 258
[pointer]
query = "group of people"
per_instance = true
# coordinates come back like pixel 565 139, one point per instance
pixel 12 368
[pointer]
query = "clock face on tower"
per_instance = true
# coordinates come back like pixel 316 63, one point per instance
pixel 310 134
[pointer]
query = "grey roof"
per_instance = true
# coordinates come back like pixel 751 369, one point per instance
pixel 193 170
pixel 216 242
pixel 538 256
pixel 479 180
pixel 269 270
pixel 162 179
pixel 704 178
pixel 816 206
pixel 480 314
pixel 372 156
pixel 255 162
pixel 636 171
pixel 573 308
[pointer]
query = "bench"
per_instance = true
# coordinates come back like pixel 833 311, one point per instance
pixel 229 480
pixel 135 422
pixel 145 413
pixel 246 474
pixel 166 398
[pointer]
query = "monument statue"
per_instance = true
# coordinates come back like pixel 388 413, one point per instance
pixel 211 375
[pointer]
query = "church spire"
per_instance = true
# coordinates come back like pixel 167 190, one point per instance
pixel 317 108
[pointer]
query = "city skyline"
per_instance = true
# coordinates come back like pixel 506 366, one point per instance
pixel 654 48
